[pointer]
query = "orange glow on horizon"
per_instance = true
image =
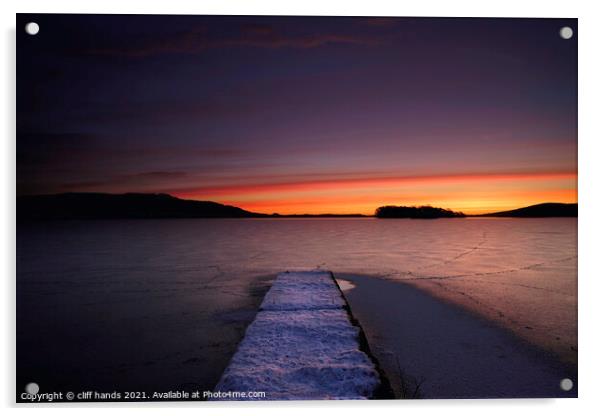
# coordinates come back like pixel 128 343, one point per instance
pixel 471 194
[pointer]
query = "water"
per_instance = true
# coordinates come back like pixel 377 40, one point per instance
pixel 161 304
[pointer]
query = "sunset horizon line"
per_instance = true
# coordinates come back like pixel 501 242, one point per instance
pixel 321 213
pixel 373 214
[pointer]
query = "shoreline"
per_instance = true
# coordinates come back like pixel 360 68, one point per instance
pixel 431 347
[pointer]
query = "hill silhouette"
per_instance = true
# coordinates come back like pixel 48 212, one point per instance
pixel 422 212
pixel 129 205
pixel 139 205
pixel 548 209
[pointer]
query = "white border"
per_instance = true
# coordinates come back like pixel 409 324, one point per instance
pixel 590 175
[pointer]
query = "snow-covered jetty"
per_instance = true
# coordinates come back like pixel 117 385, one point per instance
pixel 302 345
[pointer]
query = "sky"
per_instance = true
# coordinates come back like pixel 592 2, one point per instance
pixel 300 114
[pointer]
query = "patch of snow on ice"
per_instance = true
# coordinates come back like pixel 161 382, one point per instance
pixel 345 285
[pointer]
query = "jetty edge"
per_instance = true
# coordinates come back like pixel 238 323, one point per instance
pixel 303 345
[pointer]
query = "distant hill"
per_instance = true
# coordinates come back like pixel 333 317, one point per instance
pixel 423 212
pixel 138 205
pixel 130 205
pixel 549 209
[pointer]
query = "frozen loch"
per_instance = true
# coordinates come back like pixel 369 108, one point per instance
pixel 301 345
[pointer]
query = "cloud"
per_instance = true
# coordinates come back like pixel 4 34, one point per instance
pixel 361 181
pixel 51 148
pixel 380 21
pixel 136 181
pixel 55 162
pixel 160 111
pixel 200 39
pixel 159 175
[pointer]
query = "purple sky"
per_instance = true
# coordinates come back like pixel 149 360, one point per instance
pixel 235 108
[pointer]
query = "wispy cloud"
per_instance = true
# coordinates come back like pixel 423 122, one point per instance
pixel 258 36
pixel 365 181
pixel 136 181
pixel 379 21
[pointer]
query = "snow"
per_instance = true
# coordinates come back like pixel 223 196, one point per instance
pixel 302 345
pixel 303 290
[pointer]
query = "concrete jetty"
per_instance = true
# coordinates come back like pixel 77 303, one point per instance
pixel 302 345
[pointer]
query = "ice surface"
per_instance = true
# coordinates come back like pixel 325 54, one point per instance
pixel 302 345
pixel 434 349
pixel 153 305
